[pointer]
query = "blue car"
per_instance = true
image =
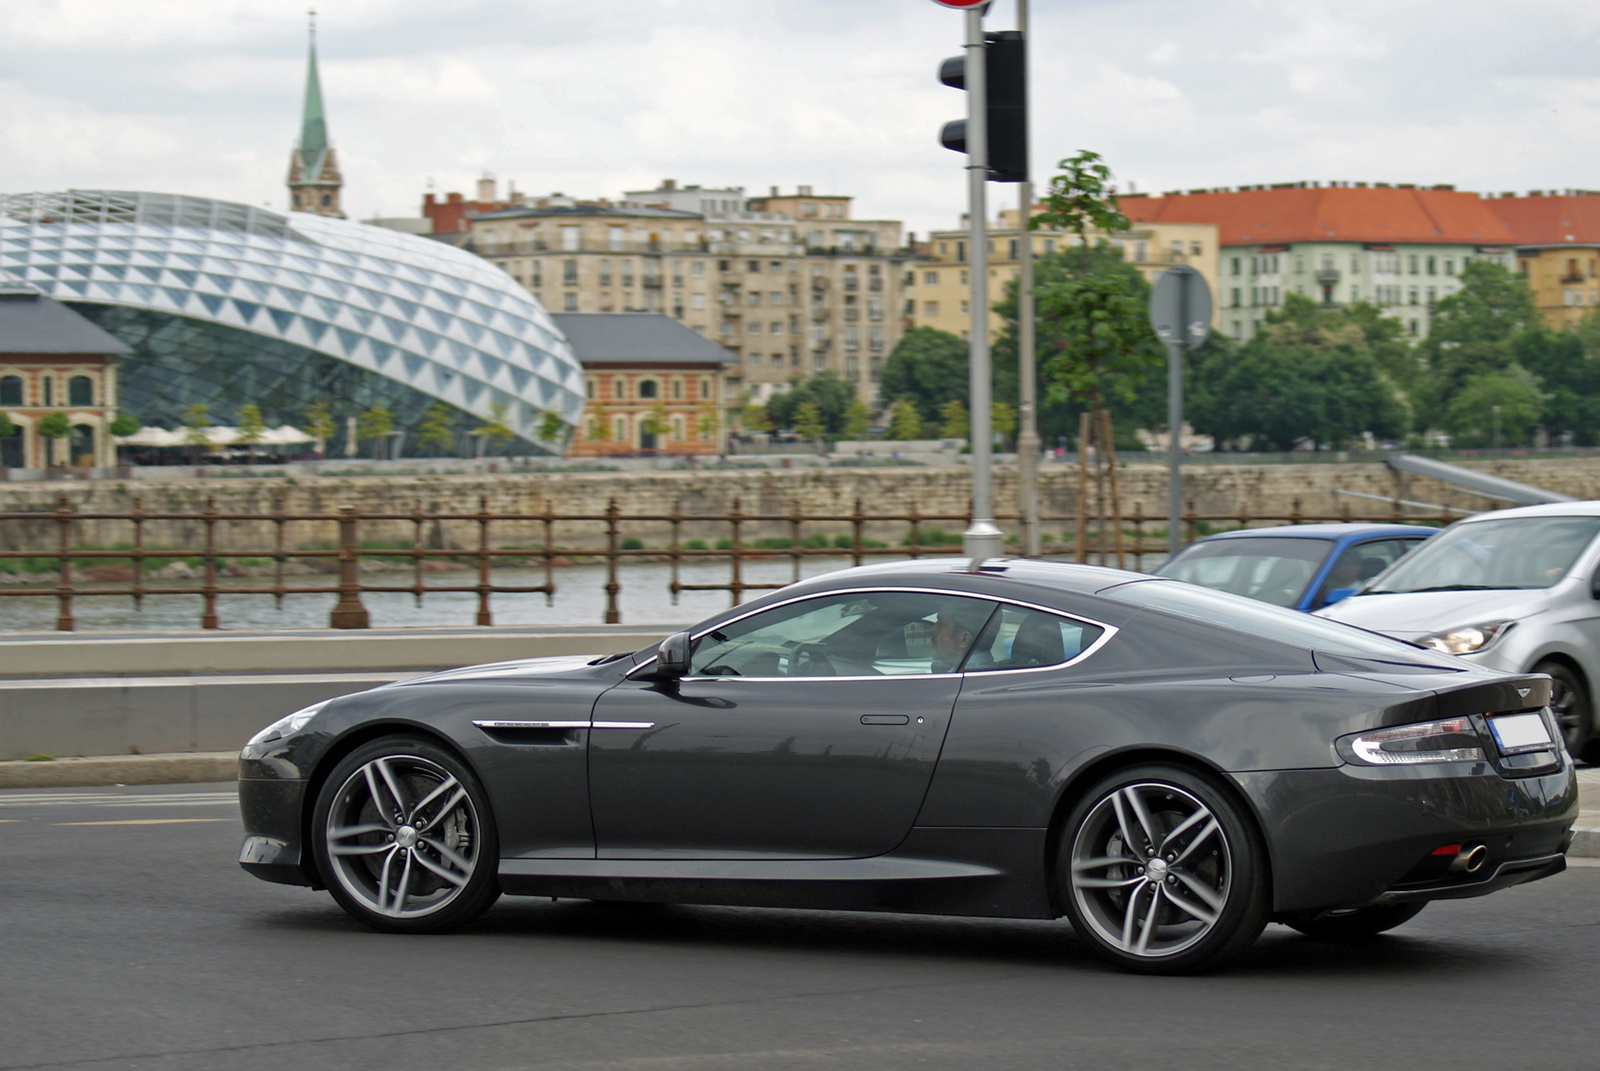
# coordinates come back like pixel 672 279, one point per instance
pixel 1302 566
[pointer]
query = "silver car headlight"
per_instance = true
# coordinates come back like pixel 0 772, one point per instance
pixel 285 726
pixel 1468 639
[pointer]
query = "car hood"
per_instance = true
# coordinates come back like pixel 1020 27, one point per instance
pixel 551 666
pixel 1414 614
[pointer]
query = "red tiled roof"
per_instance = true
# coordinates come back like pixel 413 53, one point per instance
pixel 1329 213
pixel 1554 220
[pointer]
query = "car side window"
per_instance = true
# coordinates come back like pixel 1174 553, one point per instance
pixel 854 634
pixel 1361 562
pixel 1020 638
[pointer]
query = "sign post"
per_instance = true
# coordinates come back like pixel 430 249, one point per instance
pixel 1180 313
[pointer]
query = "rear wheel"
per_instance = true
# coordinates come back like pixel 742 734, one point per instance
pixel 404 839
pixel 1355 923
pixel 1569 702
pixel 1163 872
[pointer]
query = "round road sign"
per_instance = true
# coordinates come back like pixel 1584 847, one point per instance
pixel 1180 307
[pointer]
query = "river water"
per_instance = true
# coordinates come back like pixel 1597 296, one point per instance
pixel 579 599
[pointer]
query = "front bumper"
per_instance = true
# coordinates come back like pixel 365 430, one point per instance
pixel 1355 835
pixel 272 808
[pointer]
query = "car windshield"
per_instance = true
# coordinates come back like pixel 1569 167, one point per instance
pixel 1274 569
pixel 1512 552
pixel 1260 619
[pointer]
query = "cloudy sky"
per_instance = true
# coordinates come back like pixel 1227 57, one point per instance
pixel 590 97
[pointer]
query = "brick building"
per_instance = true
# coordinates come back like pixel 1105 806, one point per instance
pixel 54 361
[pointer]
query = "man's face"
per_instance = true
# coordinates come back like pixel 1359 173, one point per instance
pixel 950 640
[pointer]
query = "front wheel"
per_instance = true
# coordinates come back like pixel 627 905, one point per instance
pixel 1163 872
pixel 1355 923
pixel 404 839
pixel 1569 702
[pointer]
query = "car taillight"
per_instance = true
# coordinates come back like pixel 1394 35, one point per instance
pixel 1450 740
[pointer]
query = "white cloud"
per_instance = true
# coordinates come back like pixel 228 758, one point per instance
pixel 595 97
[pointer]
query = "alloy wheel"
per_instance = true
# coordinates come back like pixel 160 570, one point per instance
pixel 1151 870
pixel 403 837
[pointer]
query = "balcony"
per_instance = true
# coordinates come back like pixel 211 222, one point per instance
pixel 650 282
pixel 820 315
pixel 1328 276
pixel 851 284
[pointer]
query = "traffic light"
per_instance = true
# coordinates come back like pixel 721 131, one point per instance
pixel 1005 61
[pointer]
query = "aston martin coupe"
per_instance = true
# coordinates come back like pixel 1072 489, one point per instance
pixel 1168 766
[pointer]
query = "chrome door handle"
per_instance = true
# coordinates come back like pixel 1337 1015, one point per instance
pixel 885 719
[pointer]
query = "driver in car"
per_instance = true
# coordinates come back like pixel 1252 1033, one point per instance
pixel 954 629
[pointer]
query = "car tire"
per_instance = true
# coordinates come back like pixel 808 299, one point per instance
pixel 1569 701
pixel 1162 871
pixel 404 838
pixel 1354 924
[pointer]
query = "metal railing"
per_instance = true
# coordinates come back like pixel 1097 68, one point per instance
pixel 36 536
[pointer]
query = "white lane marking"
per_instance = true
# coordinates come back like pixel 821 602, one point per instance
pixel 143 822
pixel 80 799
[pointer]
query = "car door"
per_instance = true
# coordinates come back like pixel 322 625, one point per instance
pixel 807 729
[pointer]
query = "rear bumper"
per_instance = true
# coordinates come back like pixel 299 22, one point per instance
pixel 1355 835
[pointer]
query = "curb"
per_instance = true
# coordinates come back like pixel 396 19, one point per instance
pixel 122 770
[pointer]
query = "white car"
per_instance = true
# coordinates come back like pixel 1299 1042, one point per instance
pixel 1516 589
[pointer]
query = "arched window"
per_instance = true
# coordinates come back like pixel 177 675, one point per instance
pixel 647 388
pixel 80 391
pixel 677 428
pixel 618 388
pixel 81 445
pixel 327 200
pixel 11 390
pixel 621 432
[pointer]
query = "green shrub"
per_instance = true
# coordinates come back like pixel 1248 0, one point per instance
pixel 934 537
pixel 695 544
pixel 815 541
pixel 633 543
pixel 725 543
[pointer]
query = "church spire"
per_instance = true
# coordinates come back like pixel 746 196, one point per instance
pixel 314 178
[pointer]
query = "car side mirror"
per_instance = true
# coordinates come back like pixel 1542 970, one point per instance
pixel 672 657
pixel 1337 595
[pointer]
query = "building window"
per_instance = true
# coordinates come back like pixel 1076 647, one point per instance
pixel 647 388
pixel 1433 295
pixel 1238 328
pixel 1195 249
pixel 569 239
pixel 588 388
pixel 605 273
pixel 1236 297
pixel 569 273
pixel 697 268
pixel 569 302
pixel 1432 264
pixel 1233 268
pixel 1413 294
pixel 965 308
pixel 697 301
pixel 777 360
pixel 755 360
pixel 775 298
pixel 755 327
pixel 627 273
pixel 776 327
pixel 614 237
pixel 705 389
pixel 618 388
pixel 1414 327
pixel 1412 263
pixel 930 308
pixel 11 390
pixel 852 338
pixel 537 278
pixel 931 278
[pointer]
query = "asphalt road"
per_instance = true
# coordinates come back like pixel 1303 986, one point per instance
pixel 130 939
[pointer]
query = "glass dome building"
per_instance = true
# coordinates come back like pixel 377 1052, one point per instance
pixel 226 305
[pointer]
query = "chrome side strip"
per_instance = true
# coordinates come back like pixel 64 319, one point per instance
pixel 531 724
pixel 624 725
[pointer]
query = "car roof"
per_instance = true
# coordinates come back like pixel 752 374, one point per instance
pixel 1590 508
pixel 1325 531
pixel 1063 576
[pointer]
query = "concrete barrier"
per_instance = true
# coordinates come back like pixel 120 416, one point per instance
pixel 112 694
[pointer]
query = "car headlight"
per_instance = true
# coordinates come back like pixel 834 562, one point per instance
pixel 1467 640
pixel 1450 740
pixel 284 726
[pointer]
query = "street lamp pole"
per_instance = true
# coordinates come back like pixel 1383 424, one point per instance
pixel 1027 379
pixel 983 538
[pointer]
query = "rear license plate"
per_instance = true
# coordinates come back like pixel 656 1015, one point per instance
pixel 1513 732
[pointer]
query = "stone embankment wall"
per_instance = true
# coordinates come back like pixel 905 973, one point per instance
pixel 1255 490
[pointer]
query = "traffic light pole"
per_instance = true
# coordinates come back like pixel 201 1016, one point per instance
pixel 1027 379
pixel 983 538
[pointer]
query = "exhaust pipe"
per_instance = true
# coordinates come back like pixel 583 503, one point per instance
pixel 1469 860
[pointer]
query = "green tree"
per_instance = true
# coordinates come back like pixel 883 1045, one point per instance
pixel 1079 199
pixel 437 429
pixel 1473 330
pixel 929 367
pixel 375 424
pixel 1003 420
pixel 1567 365
pixel 905 422
pixel 552 429
pixel 953 422
pixel 495 429
pixel 707 424
pixel 857 421
pixel 55 427
pixel 599 424
pixel 124 425
pixel 1509 399
pixel 319 425
pixel 808 420
pixel 7 429
pixel 249 428
pixel 655 422
pixel 197 425
pixel 826 390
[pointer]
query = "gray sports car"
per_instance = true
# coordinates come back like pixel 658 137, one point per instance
pixel 1170 767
